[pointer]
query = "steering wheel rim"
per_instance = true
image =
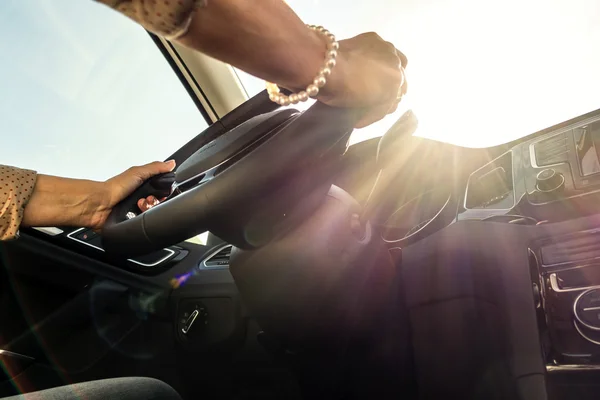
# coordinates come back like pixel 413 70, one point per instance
pixel 302 150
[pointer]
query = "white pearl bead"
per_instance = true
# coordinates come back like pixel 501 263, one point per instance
pixel 303 96
pixel 325 71
pixel 272 88
pixel 312 90
pixel 320 81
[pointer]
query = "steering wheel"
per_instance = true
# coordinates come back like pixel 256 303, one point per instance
pixel 245 186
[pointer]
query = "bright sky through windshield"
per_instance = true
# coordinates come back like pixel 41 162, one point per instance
pixel 481 73
pixel 84 92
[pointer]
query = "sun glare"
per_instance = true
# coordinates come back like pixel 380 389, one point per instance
pixel 484 73
pixel 481 73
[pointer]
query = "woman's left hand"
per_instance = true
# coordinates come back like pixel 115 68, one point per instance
pixel 116 189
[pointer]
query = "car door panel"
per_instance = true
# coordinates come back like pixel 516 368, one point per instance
pixel 79 317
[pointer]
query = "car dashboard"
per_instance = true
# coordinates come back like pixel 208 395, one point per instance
pixel 547 186
pixel 550 178
pixel 552 183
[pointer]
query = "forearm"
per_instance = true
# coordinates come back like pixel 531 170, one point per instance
pixel 63 202
pixel 267 40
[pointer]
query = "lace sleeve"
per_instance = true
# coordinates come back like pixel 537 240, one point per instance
pixel 167 18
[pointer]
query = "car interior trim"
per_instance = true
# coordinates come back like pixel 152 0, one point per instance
pixel 434 218
pixel 219 82
pixel 211 255
pixel 491 209
pixel 579 319
pixel 554 188
pixel 189 78
pixel 169 251
pixel 15 355
pixel 51 231
pixel 560 131
pixel 554 284
pixel 583 335
pixel 573 368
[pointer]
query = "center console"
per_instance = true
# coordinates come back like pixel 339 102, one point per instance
pixel 553 181
pixel 569 273
pixel 563 165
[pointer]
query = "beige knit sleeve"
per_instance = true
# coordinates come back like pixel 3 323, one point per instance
pixel 16 187
pixel 167 18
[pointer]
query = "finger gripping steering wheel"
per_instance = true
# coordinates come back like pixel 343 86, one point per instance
pixel 242 186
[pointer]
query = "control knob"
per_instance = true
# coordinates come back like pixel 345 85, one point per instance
pixel 587 315
pixel 549 180
pixel 587 309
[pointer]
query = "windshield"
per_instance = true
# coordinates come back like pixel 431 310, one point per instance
pixel 480 73
pixel 84 93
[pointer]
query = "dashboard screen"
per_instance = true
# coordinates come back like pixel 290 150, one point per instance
pixel 587 144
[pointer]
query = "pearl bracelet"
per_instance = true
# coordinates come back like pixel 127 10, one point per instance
pixel 320 80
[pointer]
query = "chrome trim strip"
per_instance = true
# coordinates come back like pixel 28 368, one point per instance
pixel 171 252
pixel 594 328
pixel 576 355
pixel 189 322
pixel 209 173
pixel 590 120
pixel 554 188
pixel 15 355
pixel 557 289
pixel 50 230
pixel 532 150
pixel 437 214
pixel 211 255
pixel 583 335
pixel 570 367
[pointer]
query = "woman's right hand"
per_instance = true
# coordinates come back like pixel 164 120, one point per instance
pixel 369 76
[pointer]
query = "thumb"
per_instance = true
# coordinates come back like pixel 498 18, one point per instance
pixel 147 171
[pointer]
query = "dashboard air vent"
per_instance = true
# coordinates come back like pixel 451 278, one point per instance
pixel 551 151
pixel 218 259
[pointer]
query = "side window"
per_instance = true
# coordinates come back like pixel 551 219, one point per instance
pixel 84 92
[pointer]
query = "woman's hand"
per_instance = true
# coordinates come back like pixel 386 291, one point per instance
pixel 59 201
pixel 119 187
pixel 369 76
